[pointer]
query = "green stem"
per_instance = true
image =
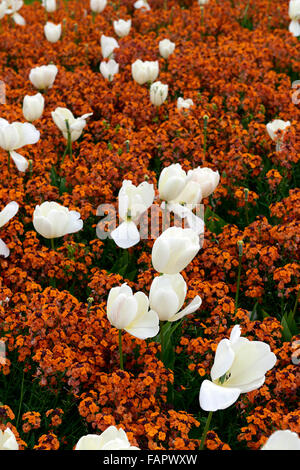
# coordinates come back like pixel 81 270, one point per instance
pixel 207 424
pixel 162 342
pixel 296 304
pixel 121 350
pixel 52 244
pixel 8 162
pixel 238 281
pixel 21 400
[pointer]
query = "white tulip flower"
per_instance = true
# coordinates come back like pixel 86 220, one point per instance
pixel 16 135
pixel 13 6
pixel 166 48
pixel 76 125
pixel 52 31
pixel 109 69
pixel 131 313
pixel 294 14
pixel 51 220
pixel 145 72
pixel 203 2
pixel 3 9
pixel 108 45
pixel 167 296
pixel 142 4
pixel 239 367
pixel 171 182
pixel 158 93
pixel 274 126
pixel 282 440
pixel 43 77
pixel 97 6
pixel 6 214
pixel 174 249
pixel 111 439
pixel 122 27
pixel 200 183
pixel 133 202
pixel 184 104
pixel 49 5
pixel 8 440
pixel 33 107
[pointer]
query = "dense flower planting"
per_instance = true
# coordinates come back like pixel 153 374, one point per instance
pixel 233 69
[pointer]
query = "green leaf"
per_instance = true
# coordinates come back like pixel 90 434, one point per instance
pixel 213 222
pixel 289 326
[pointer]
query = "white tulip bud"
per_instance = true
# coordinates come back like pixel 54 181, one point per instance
pixel 166 47
pixel 52 31
pixel 282 440
pixel 142 4
pixel 33 107
pixel 158 93
pixel 108 45
pixel 49 5
pixel 184 104
pixel 171 182
pixel 43 77
pixel 51 220
pixel 122 27
pixel 111 439
pixel 109 69
pixel 144 72
pixel 97 6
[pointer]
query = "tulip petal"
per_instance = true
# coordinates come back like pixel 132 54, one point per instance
pixel 20 161
pixel 191 308
pixel 214 397
pixel 4 250
pixel 145 326
pixel 294 28
pixel 160 254
pixel 126 235
pixel 8 212
pixel 18 19
pixel 223 359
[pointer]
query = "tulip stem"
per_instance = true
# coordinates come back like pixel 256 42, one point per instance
pixel 8 162
pixel 240 246
pixel 52 244
pixel 121 350
pixel 162 342
pixel 207 424
pixel 296 304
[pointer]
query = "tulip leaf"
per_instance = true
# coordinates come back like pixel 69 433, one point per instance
pixel 289 326
pixel 213 222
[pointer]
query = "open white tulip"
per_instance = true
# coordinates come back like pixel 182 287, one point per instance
pixel 76 125
pixel 282 440
pixel 294 14
pixel 122 27
pixel 131 313
pixel 174 249
pixel 167 296
pixel 111 439
pixel 133 202
pixel 171 182
pixel 49 5
pixel 33 107
pixel 52 31
pixel 142 4
pixel 239 367
pixel 8 440
pixel 51 220
pixel 97 6
pixel 200 183
pixel 184 104
pixel 16 135
pixel 109 69
pixel 108 45
pixel 144 72
pixel 13 6
pixel 158 93
pixel 43 77
pixel 166 48
pixel 6 214
pixel 274 126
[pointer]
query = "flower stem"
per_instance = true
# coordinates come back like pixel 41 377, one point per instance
pixel 21 399
pixel 121 350
pixel 296 304
pixel 207 424
pixel 240 246
pixel 162 342
pixel 52 244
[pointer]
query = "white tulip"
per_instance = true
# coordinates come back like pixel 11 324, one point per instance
pixel 33 107
pixel 111 439
pixel 6 214
pixel 13 6
pixel 133 202
pixel 76 125
pixel 3 9
pixel 16 135
pixel 191 220
pixel 200 183
pixel 167 295
pixel 239 367
pixel 8 440
pixel 184 104
pixel 274 126
pixel 282 440
pixel 49 5
pixel 294 14
pixel 131 313
pixel 109 69
pixel 166 48
pixel 158 93
pixel 174 249
pixel 142 4
pixel 43 77
pixel 52 31
pixel 108 45
pixel 97 6
pixel 171 182
pixel 51 220
pixel 144 72
pixel 122 27
pixel 202 2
